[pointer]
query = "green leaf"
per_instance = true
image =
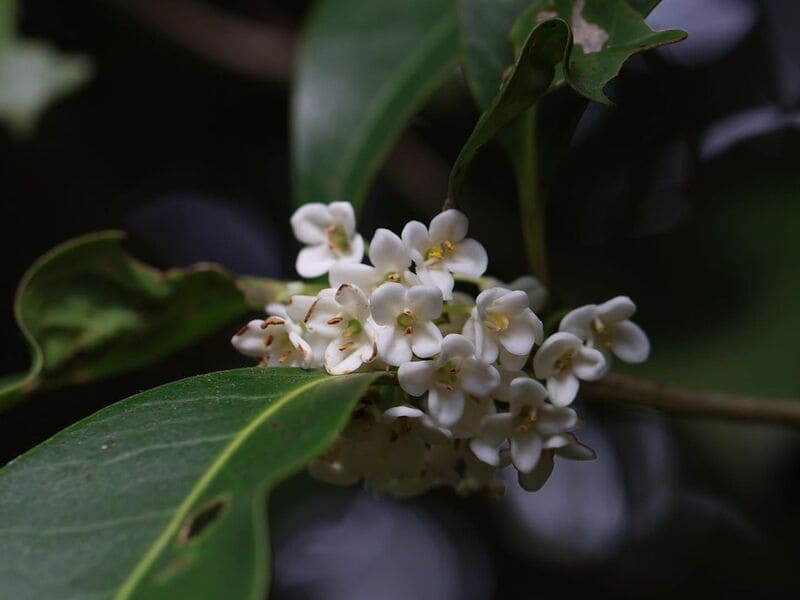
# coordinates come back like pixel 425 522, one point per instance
pixel 163 495
pixel 89 310
pixel 364 69
pixel 606 33
pixel 643 7
pixel 528 80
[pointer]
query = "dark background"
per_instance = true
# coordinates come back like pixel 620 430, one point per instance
pixel 686 196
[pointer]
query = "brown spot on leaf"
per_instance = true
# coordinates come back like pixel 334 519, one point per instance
pixel 201 519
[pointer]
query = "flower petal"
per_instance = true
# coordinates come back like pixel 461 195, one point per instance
pixel 526 448
pixel 354 253
pixel 521 334
pixel 589 364
pixel 313 261
pixel 309 223
pixel 438 278
pixel 469 258
pixel 426 341
pixel 416 377
pixel 535 479
pixel 394 347
pixel 551 350
pixel 496 428
pixel 416 240
pixel 525 391
pixel 450 225
pixel 353 300
pixel 298 306
pixel 340 361
pixel 629 342
pixel 322 317
pixel 562 388
pixel 425 302
pixel 478 378
pixel 446 406
pixel 485 452
pixel 343 214
pixel 616 309
pixel 387 252
pixel 455 345
pixel 362 276
pixel 387 302
pixel 579 321
pixel 511 303
pixel 402 411
pixel 512 362
pixel 556 419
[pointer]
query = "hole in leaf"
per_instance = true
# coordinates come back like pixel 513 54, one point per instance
pixel 202 518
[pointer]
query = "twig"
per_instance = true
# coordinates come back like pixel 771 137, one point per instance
pixel 625 389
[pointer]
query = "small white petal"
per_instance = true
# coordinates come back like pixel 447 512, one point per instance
pixel 616 309
pixel 562 388
pixel 526 448
pixel 485 452
pixel 416 240
pixel 362 276
pixel 629 342
pixel 478 378
pixel 469 258
pixel 589 364
pixel 298 306
pixel 524 391
pixel 425 302
pixel 309 223
pixel 313 261
pixel 521 334
pixel 556 419
pixel 416 377
pixel 354 301
pixel 455 345
pixel 403 411
pixel 579 321
pixel 512 362
pixel 394 347
pixel 343 214
pixel 551 350
pixel 534 480
pixel 446 406
pixel 387 252
pixel 387 302
pixel 496 428
pixel 511 303
pixel 437 278
pixel 323 318
pixel 450 225
pixel 342 362
pixel 426 340
pixel 486 298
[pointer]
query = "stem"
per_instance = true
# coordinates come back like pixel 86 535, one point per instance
pixel 525 157
pixel 625 389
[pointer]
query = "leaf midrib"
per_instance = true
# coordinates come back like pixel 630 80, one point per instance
pixel 149 558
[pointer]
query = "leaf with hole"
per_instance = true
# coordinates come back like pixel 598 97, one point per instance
pixel 163 495
pixel 606 33
pixel 89 310
pixel 528 79
pixel 364 69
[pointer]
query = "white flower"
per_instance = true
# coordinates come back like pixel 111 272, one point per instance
pixel 528 423
pixel 405 319
pixel 503 321
pixel 537 293
pixel 565 445
pixel 329 230
pixel 562 361
pixel 475 408
pixel 277 341
pixel 442 250
pixel 391 262
pixel 404 420
pixel 295 311
pixel 343 318
pixel 607 327
pixel 455 465
pixel 448 378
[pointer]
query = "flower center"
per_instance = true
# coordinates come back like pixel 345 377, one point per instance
pixel 527 416
pixel 447 375
pixel 353 328
pixel 337 239
pixel 496 322
pixel 406 320
pixel 564 362
pixel 601 331
pixel 393 276
pixel 438 251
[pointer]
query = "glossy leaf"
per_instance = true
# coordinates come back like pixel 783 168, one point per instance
pixel 90 310
pixel 364 69
pixel 643 7
pixel 163 495
pixel 606 33
pixel 526 82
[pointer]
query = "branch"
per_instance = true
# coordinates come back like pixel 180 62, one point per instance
pixel 625 389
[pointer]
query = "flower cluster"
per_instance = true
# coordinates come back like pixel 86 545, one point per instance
pixel 470 400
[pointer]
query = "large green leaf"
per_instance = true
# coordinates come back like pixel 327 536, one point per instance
pixel 90 310
pixel 528 79
pixel 606 33
pixel 163 495
pixel 363 70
